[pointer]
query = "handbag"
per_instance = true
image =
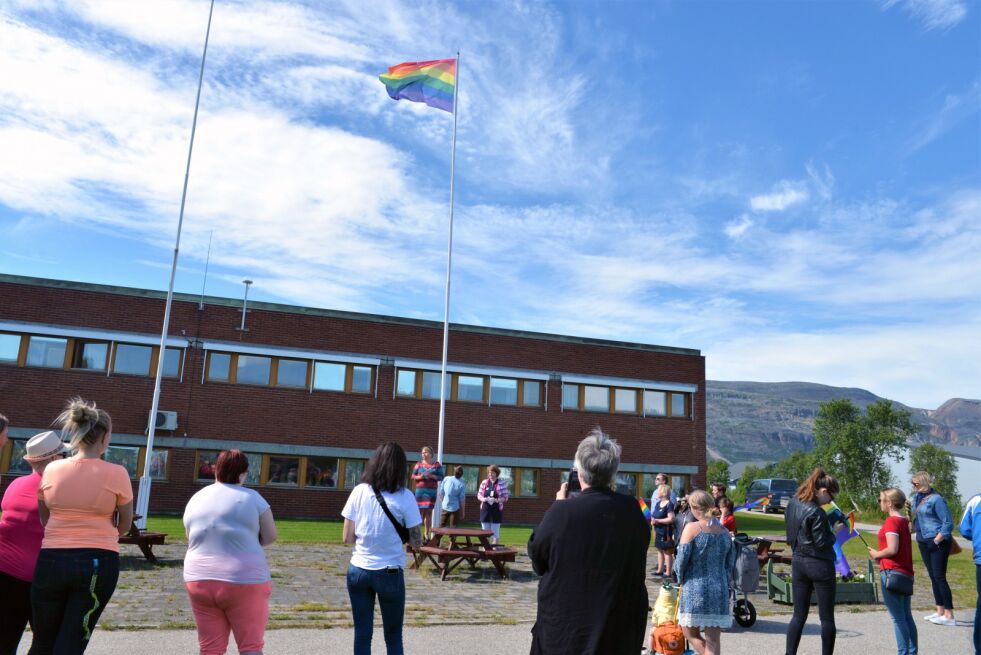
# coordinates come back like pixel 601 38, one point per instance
pixel 401 529
pixel 955 547
pixel 898 582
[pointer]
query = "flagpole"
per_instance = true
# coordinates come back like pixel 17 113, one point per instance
pixel 449 268
pixel 143 496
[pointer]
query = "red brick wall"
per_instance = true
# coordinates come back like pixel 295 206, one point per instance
pixel 32 397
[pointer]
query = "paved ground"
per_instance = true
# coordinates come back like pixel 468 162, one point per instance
pixel 150 609
pixel 864 632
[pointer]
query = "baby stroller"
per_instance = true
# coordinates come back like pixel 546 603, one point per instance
pixel 745 579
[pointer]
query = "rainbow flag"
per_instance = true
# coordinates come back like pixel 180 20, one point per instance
pixel 760 502
pixel 644 508
pixel 431 82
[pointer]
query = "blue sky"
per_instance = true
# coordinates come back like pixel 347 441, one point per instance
pixel 792 187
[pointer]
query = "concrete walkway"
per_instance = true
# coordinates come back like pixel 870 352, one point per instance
pixel 865 632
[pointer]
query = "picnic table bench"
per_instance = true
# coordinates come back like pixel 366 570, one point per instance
pixel 464 545
pixel 766 553
pixel 143 539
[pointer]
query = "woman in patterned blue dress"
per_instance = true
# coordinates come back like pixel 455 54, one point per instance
pixel 703 566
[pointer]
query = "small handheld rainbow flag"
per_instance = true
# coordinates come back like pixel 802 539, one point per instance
pixel 644 508
pixel 431 82
pixel 760 502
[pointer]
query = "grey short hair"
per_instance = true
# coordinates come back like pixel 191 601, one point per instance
pixel 598 458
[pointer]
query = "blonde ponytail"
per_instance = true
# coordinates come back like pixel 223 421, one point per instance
pixel 83 422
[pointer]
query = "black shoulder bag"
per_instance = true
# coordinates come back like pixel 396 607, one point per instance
pixel 401 529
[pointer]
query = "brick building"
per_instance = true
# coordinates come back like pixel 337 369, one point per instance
pixel 308 394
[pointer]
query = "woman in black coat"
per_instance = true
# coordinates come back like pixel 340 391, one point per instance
pixel 591 552
pixel 810 535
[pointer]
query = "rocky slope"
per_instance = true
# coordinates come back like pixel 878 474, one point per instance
pixel 766 421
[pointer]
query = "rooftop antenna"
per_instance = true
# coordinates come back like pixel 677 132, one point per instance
pixel 207 260
pixel 245 305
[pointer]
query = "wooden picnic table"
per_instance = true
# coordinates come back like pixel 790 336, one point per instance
pixel 469 545
pixel 765 551
pixel 144 540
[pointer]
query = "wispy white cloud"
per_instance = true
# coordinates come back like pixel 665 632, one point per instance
pixel 785 194
pixel 934 14
pixel 956 108
pixel 737 228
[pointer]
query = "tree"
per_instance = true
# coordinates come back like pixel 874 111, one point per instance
pixel 796 467
pixel 854 447
pixel 942 466
pixel 750 473
pixel 718 471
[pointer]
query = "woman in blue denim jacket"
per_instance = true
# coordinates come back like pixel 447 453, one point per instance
pixel 934 524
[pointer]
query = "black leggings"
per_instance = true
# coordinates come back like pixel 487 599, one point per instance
pixel 935 560
pixel 810 574
pixel 71 588
pixel 16 612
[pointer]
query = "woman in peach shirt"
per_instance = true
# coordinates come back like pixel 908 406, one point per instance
pixel 85 504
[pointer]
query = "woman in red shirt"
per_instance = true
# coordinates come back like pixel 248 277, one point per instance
pixel 895 556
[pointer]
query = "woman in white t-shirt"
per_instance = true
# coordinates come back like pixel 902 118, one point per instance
pixel 378 558
pixel 225 569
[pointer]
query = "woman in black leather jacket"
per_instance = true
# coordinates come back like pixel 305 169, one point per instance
pixel 810 535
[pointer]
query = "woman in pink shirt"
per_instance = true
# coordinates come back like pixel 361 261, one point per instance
pixel 85 504
pixel 20 540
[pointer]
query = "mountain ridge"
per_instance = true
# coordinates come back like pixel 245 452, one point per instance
pixel 766 421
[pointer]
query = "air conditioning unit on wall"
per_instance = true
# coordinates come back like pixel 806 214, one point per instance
pixel 166 420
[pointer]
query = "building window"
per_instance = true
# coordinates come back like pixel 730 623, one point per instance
pixel 529 482
pixel 655 403
pixel 648 485
pixel 9 348
pixel 353 468
pixel 328 376
pixel 430 384
pixel 126 456
pixel 570 396
pixel 48 352
pixel 626 483
pixel 219 367
pixel 205 466
pixel 284 471
pixel 321 472
pixel 17 465
pixel 469 388
pixel 360 379
pixel 503 391
pixel 625 401
pixel 131 359
pixel 291 373
pixel 253 369
pixel 158 463
pixel 90 355
pixel 172 362
pixel 531 394
pixel 406 383
pixel 596 399
pixel 679 404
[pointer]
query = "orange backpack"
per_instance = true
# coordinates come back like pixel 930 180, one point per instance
pixel 667 638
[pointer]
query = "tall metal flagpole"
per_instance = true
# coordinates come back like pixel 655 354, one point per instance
pixel 449 268
pixel 143 497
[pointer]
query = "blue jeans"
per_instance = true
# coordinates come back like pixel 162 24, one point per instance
pixel 389 585
pixel 935 560
pixel 71 588
pixel 902 618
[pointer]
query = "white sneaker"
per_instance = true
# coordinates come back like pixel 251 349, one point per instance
pixel 931 617
pixel 940 620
